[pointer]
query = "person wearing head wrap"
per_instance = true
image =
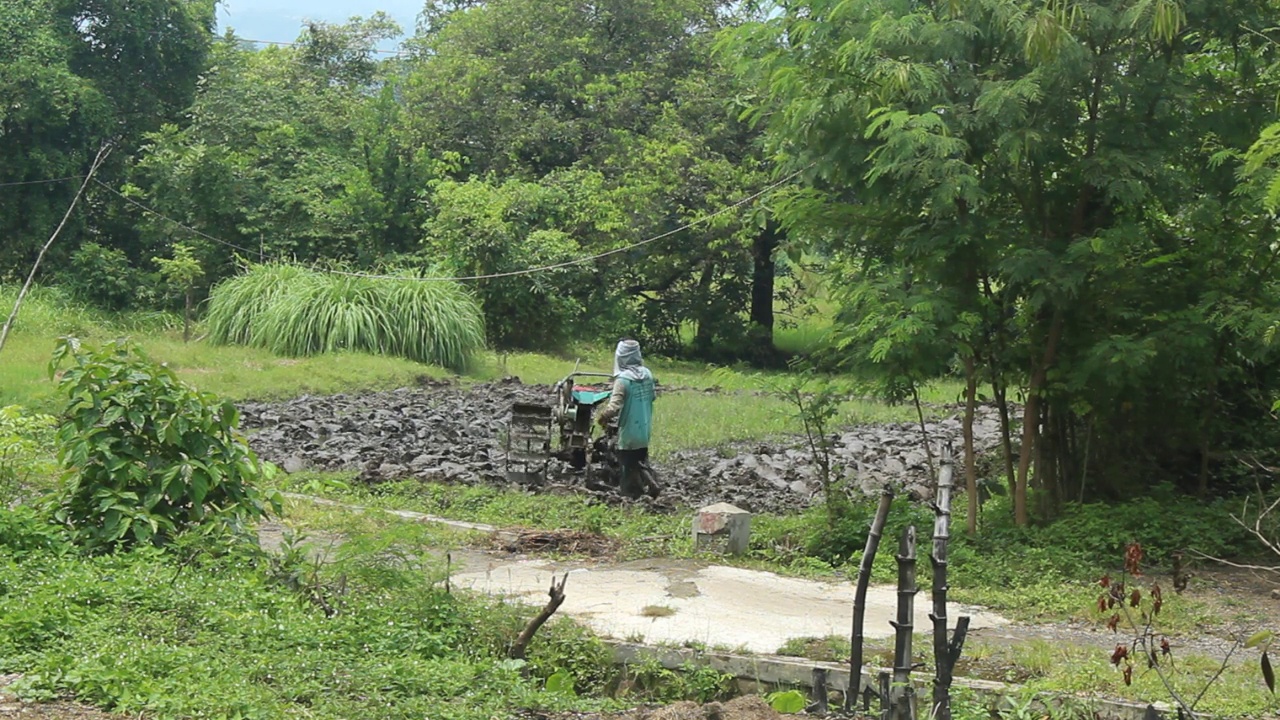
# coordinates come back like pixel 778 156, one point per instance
pixel 631 402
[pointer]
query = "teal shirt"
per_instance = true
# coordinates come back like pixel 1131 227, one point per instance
pixel 636 418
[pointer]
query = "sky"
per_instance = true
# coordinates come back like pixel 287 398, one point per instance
pixel 281 20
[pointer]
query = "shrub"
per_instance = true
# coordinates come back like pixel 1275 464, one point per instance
pixel 26 442
pixel 103 276
pixel 148 456
pixel 295 311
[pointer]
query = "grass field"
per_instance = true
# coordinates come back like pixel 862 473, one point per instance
pixel 1037 574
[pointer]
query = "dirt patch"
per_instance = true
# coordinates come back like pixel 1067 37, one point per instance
pixel 11 707
pixel 569 542
pixel 446 432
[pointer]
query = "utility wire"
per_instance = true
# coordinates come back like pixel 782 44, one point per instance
pixel 162 216
pixel 598 256
pixel 42 182
pixel 489 276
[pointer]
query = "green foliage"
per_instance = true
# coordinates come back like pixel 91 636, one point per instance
pixel 148 456
pixel 28 530
pixel 78 73
pixel 103 277
pixel 1095 534
pixel 26 448
pixel 974 177
pixel 648 679
pixel 294 311
pixel 789 702
pixel 134 632
pixel 843 535
pixel 482 230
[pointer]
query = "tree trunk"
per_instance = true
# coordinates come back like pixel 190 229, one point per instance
pixel 763 276
pixel 186 317
pixel 703 338
pixel 970 462
pixel 860 598
pixel 1006 432
pixel 1031 421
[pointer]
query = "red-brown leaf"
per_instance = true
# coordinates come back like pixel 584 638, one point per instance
pixel 1133 559
pixel 1135 598
pixel 1120 653
pixel 1102 603
pixel 1105 581
pixel 1114 622
pixel 1128 674
pixel 1164 646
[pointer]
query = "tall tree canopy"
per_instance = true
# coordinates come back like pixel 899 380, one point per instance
pixel 1051 191
pixel 77 73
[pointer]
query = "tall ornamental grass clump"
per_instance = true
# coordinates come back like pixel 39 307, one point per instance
pixel 295 311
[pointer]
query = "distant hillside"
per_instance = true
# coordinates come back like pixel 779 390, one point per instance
pixel 282 20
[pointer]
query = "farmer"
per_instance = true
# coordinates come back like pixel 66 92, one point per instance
pixel 632 403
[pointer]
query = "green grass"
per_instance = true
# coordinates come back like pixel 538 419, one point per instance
pixel 145 633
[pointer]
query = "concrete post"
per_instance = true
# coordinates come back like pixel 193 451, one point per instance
pixel 722 526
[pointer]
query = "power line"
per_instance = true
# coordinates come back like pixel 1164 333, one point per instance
pixel 42 182
pixel 489 276
pixel 590 258
pixel 162 216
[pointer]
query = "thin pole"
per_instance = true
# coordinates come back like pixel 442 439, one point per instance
pixel 97 162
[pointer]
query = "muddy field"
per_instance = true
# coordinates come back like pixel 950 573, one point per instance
pixel 451 433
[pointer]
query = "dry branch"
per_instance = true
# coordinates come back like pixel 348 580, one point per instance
pixel 521 645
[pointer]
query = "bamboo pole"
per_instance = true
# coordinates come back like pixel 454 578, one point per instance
pixel 902 696
pixel 945 651
pixel 860 599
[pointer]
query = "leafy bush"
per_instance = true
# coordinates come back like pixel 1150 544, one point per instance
pixel 103 277
pixel 148 456
pixel 27 529
pixel 294 311
pixel 843 534
pixel 26 444
pixel 1164 522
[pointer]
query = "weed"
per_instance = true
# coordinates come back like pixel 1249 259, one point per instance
pixel 657 611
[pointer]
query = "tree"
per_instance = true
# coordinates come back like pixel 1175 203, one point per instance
pixel 182 272
pixel 1061 174
pixel 285 156
pixel 78 73
pixel 628 93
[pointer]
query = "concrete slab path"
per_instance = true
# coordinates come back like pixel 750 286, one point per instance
pixel 671 601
